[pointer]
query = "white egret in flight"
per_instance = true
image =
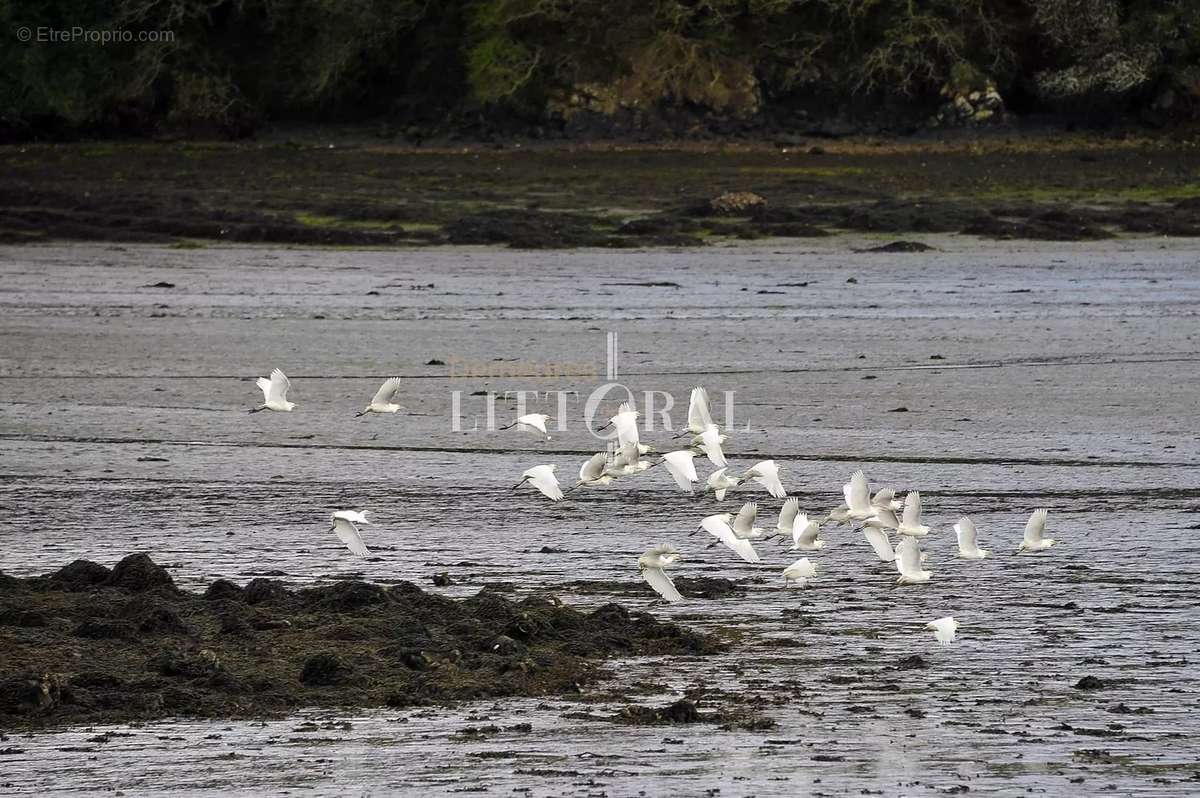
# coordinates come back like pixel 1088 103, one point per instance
pixel 968 540
pixel 766 474
pixel 345 526
pixel 719 482
pixel 908 562
pixel 719 527
pixel 682 468
pixel 531 422
pixel 708 443
pixel 943 629
pixel 542 478
pixel 384 400
pixel 885 498
pixel 858 497
pixel 1034 530
pixel 799 572
pixel 877 535
pixel 699 416
pixel 593 473
pixel 651 565
pixel 806 534
pixel 274 393
pixel 910 522
pixel 743 524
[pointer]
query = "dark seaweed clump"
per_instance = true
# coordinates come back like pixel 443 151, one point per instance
pixel 87 644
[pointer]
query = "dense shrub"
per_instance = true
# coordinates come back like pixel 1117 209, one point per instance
pixel 233 63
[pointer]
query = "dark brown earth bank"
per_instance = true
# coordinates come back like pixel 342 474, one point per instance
pixel 89 644
pixel 352 193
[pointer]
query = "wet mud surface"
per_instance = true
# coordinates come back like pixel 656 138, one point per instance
pixel 357 195
pixel 1058 374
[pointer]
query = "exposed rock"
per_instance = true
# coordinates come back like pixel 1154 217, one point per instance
pixel 736 203
pixel 324 669
pixel 81 574
pixel 138 572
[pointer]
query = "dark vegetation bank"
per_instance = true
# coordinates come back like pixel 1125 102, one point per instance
pixel 191 195
pixel 555 68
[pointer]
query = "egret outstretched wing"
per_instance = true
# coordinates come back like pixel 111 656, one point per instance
pixel 542 478
pixel 386 394
pixel 908 557
pixel 766 474
pixel 593 469
pixel 912 509
pixel 943 629
pixel 699 417
pixel 787 514
pixel 879 542
pixel 858 492
pixel 657 578
pixel 743 524
pixel 277 391
pixel 716 526
pixel 1036 526
pixel 710 444
pixel 348 533
pixel 967 534
pixel 682 468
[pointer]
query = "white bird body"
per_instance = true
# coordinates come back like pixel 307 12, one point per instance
pixel 1035 529
pixel 799 572
pixel 719 527
pixel 839 514
pixel 274 393
pixel 345 526
pixel 384 400
pixel 877 536
pixel 709 443
pixel 968 540
pixel 594 472
pixel 627 461
pixel 858 497
pixel 943 629
pixel 651 565
pixel 681 465
pixel 766 474
pixel 743 524
pixel 806 534
pixel 719 482
pixel 908 562
pixel 534 422
pixel 910 522
pixel 885 498
pixel 542 478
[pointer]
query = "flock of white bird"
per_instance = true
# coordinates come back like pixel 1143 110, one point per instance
pixel 875 514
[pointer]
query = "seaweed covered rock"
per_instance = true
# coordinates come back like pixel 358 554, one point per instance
pixel 80 575
pixel 324 669
pixel 138 572
pixel 267 648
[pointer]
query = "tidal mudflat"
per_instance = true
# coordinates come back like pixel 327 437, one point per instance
pixel 995 377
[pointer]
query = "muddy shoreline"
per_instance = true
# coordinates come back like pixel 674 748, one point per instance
pixel 88 644
pixel 356 194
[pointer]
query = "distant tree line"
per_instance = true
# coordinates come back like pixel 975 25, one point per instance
pixel 232 65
